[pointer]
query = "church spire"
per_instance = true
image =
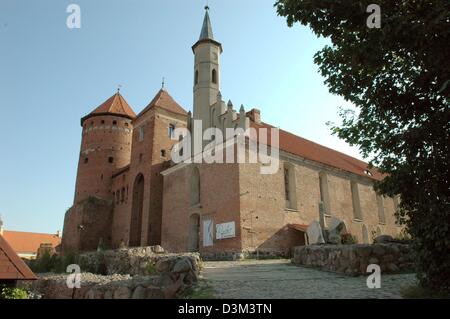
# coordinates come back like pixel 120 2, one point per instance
pixel 206 32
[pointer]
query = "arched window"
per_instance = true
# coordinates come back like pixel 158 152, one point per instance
pixel 195 187
pixel 196 77
pixel 171 131
pixel 381 214
pixel 355 201
pixel 290 187
pixel 214 76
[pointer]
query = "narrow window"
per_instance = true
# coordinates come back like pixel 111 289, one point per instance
pixel 140 158
pixel 86 160
pixel 110 159
pixel 195 187
pixel 196 77
pixel 214 76
pixel 287 194
pixel 355 201
pixel 290 187
pixel 163 153
pixel 103 122
pixel 118 197
pixel 126 124
pixel 213 116
pixel 141 134
pixel 381 214
pixel 101 177
pixel 114 123
pixel 171 131
pixel 122 195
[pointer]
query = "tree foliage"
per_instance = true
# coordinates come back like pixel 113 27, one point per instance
pixel 398 77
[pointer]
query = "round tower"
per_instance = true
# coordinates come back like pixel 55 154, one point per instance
pixel 105 147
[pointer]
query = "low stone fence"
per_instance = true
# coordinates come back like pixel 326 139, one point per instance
pixel 353 260
pixel 138 273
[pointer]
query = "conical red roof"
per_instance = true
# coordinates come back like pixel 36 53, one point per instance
pixel 164 101
pixel 115 105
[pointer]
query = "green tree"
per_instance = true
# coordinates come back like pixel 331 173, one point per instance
pixel 398 78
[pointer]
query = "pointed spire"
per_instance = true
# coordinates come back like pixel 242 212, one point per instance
pixel 206 28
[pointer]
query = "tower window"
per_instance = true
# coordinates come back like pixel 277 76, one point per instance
pixel 126 124
pixel 214 76
pixel 163 153
pixel 171 130
pixel 103 121
pixel 114 123
pixel 196 77
pixel 111 159
pixel 140 158
pixel 86 160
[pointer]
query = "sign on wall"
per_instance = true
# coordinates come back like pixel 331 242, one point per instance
pixel 207 232
pixel 225 230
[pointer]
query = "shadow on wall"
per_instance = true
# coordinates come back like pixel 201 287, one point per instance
pixel 282 242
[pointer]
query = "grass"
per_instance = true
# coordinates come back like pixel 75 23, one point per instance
pixel 202 290
pixel 417 292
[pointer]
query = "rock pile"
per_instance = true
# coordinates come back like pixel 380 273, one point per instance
pixel 138 273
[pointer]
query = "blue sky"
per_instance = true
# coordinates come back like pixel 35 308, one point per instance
pixel 51 76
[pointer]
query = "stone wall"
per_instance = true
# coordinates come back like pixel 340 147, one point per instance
pixel 130 261
pixel 140 273
pixel 353 260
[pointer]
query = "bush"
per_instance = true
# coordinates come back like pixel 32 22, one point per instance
pixel 13 293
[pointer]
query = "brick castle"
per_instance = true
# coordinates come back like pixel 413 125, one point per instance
pixel 130 193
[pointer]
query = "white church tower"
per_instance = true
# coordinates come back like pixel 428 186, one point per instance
pixel 207 53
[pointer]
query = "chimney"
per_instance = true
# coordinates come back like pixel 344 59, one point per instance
pixel 255 115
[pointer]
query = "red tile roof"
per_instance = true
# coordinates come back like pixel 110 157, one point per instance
pixel 304 148
pixel 28 243
pixel 164 101
pixel 115 105
pixel 11 266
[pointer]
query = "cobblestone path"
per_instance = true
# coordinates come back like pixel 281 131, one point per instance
pixel 279 279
